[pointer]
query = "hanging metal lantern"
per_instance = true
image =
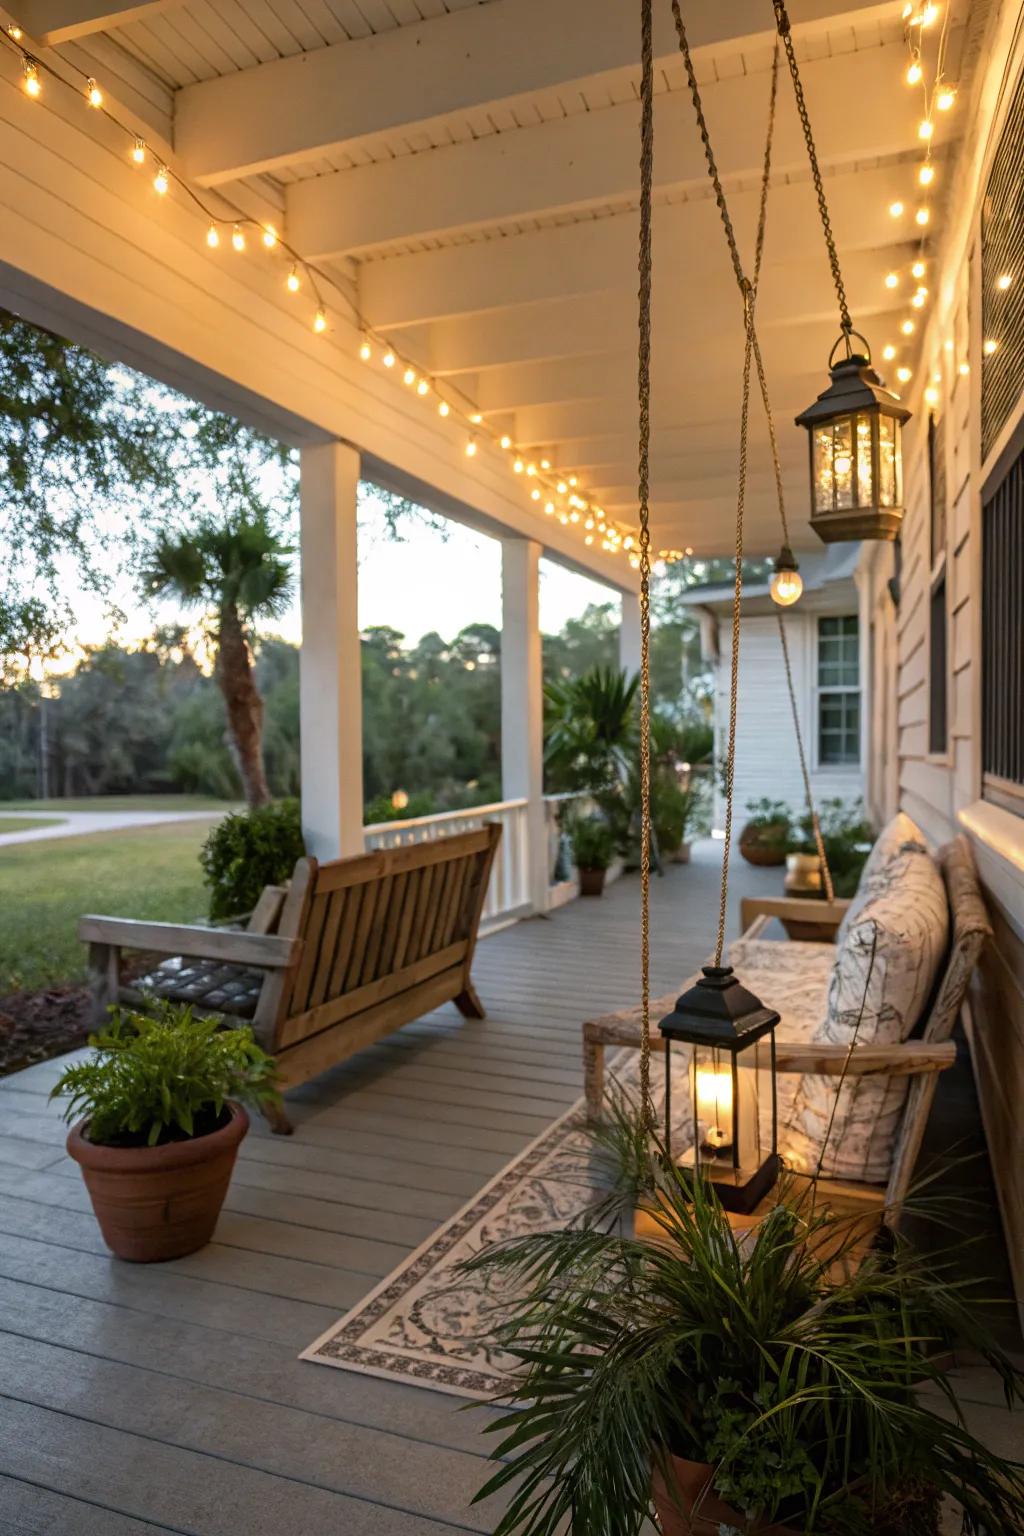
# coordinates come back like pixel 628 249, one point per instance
pixel 854 428
pixel 731 1076
pixel 786 584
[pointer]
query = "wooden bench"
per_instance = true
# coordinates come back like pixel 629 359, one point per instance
pixel 349 952
pixel 930 1051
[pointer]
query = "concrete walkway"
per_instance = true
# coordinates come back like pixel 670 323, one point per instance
pixel 77 823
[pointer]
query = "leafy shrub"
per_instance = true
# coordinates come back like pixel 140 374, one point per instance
pixel 768 823
pixel 672 811
pixel 847 835
pixel 154 1079
pixel 248 850
pixel 592 842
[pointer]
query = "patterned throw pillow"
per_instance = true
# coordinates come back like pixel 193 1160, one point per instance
pixel 898 835
pixel 886 963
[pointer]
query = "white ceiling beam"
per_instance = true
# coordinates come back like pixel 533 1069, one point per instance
pixel 323 101
pixel 590 159
pixel 599 255
pixel 51 22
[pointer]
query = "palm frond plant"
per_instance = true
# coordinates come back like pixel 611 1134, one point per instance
pixel 591 733
pixel 788 1381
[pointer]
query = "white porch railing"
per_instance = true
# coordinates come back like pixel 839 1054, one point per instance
pixel 508 894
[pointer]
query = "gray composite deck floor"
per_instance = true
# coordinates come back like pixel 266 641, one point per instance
pixel 170 1398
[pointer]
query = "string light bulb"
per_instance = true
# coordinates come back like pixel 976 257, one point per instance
pixel 444 408
pixel 889 352
pixel 914 73
pixel 907 327
pixel 213 237
pixel 15 32
pixel 319 322
pixel 945 98
pixel 964 369
pixel 1003 281
pixel 365 351
pixel 388 359
pixel 925 128
pixel 535 493
pixel 990 346
pixel 919 298
pixel 476 418
pixel 293 282
pixel 238 238
pixel 926 174
pixel 922 216
pixel 161 181
pixel 904 375
pixel 931 395
pixel 786 584
pixel 139 151
pixel 93 94
pixel 423 388
pixel 269 236
pixel 409 377
pixel 929 15
pixel 506 441
pixel 32 83
pixel 918 269
pixel 891 280
pixel 519 466
pixel 896 209
pixel 471 448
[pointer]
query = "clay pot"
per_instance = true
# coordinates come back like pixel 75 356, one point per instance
pixel 693 1510
pixel 157 1203
pixel 591 881
pixel 756 848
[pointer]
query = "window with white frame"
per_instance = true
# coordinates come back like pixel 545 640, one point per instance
pixel 838 691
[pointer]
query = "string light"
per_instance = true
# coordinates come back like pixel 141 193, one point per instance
pixel 914 73
pixel 889 352
pixel 535 493
pixel 922 216
pixel 161 181
pixel 269 237
pixel 506 441
pixel 409 377
pixel 139 151
pixel 964 369
pixel 918 269
pixel 907 327
pixel 990 346
pixel 476 418
pixel 238 238
pixel 925 128
pixel 365 351
pixel 946 98
pixel 519 466
pixel 15 32
pixel 319 321
pixel 904 375
pixel 926 174
pixel 388 359
pixel 545 464
pixel 93 94
pixel 931 395
pixel 423 388
pixel 471 448
pixel 891 280
pixel 31 82
pixel 919 298
pixel 444 408
pixel 293 282
pixel 1003 281
pixel 213 237
pixel 896 209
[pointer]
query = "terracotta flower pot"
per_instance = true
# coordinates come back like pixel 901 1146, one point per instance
pixel 156 1203
pixel 691 1509
pixel 591 881
pixel 764 845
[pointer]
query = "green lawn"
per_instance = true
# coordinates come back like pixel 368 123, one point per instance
pixel 26 823
pixel 46 886
pixel 121 803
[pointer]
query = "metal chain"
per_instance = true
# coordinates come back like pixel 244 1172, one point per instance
pixel 645 265
pixel 785 32
pixel 748 290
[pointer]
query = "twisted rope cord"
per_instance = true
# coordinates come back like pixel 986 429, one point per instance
pixel 748 289
pixel 645 265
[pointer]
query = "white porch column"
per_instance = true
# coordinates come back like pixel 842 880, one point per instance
pixel 522 702
pixel 629 634
pixel 330 691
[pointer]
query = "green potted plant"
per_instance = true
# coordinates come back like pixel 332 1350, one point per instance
pixel 158 1114
pixel 766 832
pixel 672 812
pixel 736 1382
pixel 592 848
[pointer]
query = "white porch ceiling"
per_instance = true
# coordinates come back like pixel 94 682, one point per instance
pixel 471 166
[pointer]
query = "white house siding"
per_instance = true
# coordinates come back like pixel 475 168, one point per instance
pixel 767 763
pixel 944 792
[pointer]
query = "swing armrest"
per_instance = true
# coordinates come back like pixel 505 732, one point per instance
pixel 906 1058
pixel 807 911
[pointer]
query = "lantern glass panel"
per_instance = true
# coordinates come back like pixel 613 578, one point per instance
pixel 842 462
pixel 823 485
pixel 888 457
pixel 865 462
pixel 732 1102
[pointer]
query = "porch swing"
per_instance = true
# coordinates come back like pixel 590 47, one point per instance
pixel 863 1025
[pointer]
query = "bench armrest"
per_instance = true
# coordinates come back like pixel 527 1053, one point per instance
pixel 260 950
pixel 904 1059
pixel 793 909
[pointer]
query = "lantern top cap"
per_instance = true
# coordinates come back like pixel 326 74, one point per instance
pixel 855 386
pixel 718 1011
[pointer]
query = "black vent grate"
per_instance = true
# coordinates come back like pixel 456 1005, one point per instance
pixel 938 730
pixel 1002 254
pixel 1002 630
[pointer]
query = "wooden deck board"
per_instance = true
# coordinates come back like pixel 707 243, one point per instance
pixel 170 1398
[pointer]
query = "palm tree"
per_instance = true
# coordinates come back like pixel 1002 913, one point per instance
pixel 238 571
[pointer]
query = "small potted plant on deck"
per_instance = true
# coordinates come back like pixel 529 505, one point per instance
pixel 736 1383
pixel 592 850
pixel 159 1114
pixel 672 812
pixel 765 833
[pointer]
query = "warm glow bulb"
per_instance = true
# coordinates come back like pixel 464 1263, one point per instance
pixel 931 394
pixel 139 152
pixel 895 209
pixel 237 239
pixel 471 448
pixel 549 508
pixel 925 128
pixel 929 15
pixel 212 237
pixel 1003 281
pixel 388 359
pixel 991 345
pixel 786 587
pixel 965 369
pixel 476 418
pixel 161 181
pixel 15 32
pixel 914 73
pixel 919 298
pixel 922 216
pixel 293 282
pixel 918 269
pixel 423 388
pixel 945 99
pixel 843 464
pixel 889 352
pixel 573 480
pixel 409 377
pixel 443 408
pixel 535 493
pixel 270 237
pixel 506 441
pixel 545 463
pixel 891 280
pixel 93 94
pixel 562 487
pixel 907 327
pixel 531 470
pixel 904 375
pixel 319 321
pixel 519 466
pixel 32 83
pixel 926 175
pixel 366 351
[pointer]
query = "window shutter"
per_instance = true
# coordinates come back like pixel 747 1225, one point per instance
pixel 1002 252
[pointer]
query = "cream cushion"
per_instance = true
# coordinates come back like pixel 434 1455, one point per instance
pixel 886 963
pixel 899 836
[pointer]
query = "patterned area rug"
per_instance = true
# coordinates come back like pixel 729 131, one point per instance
pixel 427 1323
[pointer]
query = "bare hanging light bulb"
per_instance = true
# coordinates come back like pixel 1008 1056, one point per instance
pixel 786 584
